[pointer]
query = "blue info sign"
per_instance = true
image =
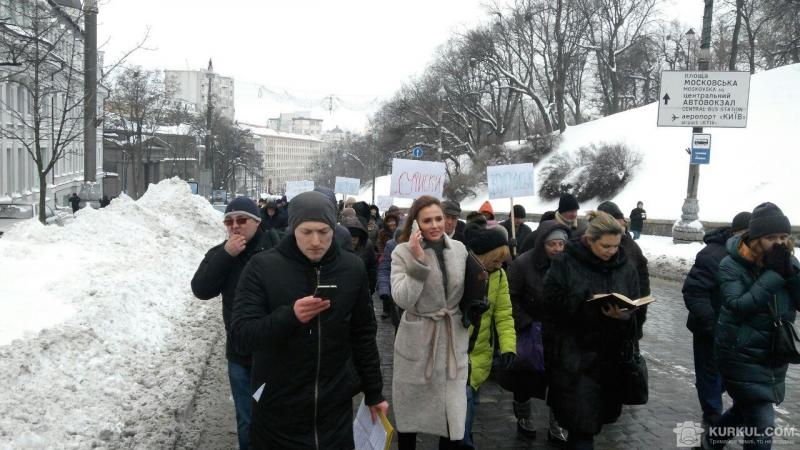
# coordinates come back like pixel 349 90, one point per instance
pixel 417 152
pixel 701 156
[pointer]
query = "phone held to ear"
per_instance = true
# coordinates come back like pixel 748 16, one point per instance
pixel 414 226
pixel 325 292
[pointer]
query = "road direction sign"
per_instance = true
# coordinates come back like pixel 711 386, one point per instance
pixel 703 99
pixel 417 152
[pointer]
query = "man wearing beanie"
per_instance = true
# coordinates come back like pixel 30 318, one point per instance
pixel 701 294
pixel 760 286
pixel 303 346
pixel 638 216
pixel 219 273
pixel 522 230
pixel 567 213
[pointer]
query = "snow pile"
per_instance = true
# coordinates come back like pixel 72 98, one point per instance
pixel 668 260
pixel 100 336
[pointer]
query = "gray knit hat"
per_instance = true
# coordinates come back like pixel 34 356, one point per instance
pixel 768 219
pixel 311 207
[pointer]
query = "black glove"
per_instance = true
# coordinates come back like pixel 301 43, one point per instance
pixel 779 259
pixel 385 297
pixel 507 360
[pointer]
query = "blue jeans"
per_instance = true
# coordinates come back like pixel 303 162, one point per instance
pixel 471 401
pixel 758 416
pixel 636 234
pixel 707 379
pixel 239 377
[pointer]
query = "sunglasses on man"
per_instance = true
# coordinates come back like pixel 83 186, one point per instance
pixel 239 221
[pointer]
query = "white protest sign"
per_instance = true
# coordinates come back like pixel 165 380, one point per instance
pixel 346 185
pixel 514 180
pixel 413 178
pixel 294 188
pixel 384 202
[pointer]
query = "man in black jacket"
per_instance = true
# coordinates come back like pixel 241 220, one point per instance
pixel 219 273
pixel 305 347
pixel 521 231
pixel 638 216
pixel 453 226
pixel 702 297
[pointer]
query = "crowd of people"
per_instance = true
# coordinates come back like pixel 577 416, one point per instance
pixel 477 298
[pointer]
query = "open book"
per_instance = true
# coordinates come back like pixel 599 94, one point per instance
pixel 621 301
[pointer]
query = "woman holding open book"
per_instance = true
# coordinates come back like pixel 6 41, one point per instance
pixel 592 341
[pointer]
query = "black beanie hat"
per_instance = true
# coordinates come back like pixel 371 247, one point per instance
pixel 311 207
pixel 741 221
pixel 768 219
pixel 482 241
pixel 243 205
pixel 567 202
pixel 611 209
pixel 519 212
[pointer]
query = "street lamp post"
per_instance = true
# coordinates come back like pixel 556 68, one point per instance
pixel 689 229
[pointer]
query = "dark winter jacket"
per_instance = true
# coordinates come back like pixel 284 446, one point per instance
pixel 365 250
pixel 638 215
pixel 526 279
pixel 745 327
pixel 458 235
pixel 385 270
pixel 385 234
pixel 701 292
pixel 219 274
pixel 306 369
pixel 277 221
pixel 523 231
pixel 587 346
pixel 75 202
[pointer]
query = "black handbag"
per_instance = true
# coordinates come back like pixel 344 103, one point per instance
pixel 633 376
pixel 785 341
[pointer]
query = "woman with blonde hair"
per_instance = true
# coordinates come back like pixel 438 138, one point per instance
pixel 592 344
pixel 430 349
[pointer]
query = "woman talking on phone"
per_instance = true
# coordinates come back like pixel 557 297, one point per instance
pixel 430 349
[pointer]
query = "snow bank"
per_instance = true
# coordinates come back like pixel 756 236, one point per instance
pixel 101 338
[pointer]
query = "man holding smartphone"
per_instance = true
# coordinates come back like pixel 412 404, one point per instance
pixel 219 274
pixel 304 349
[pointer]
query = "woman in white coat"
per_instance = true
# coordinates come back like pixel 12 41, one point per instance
pixel 430 349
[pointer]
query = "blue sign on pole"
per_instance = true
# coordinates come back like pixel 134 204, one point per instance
pixel 417 152
pixel 701 156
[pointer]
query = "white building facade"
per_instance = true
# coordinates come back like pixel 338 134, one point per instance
pixel 296 123
pixel 190 88
pixel 287 156
pixel 19 180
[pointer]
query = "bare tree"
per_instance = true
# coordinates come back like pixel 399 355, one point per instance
pixel 614 27
pixel 137 107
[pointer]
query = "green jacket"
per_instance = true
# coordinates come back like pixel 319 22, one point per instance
pixel 745 326
pixel 499 314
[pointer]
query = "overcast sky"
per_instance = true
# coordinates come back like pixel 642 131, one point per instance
pixel 352 48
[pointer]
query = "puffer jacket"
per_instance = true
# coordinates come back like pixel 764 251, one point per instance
pixel 744 330
pixel 587 346
pixel 701 292
pixel 499 318
pixel 306 370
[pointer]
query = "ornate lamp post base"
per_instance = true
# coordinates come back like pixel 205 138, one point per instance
pixel 689 229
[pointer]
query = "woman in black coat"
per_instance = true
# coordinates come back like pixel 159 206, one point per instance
pixel 589 343
pixel 526 285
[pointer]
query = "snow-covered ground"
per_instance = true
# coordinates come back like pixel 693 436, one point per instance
pixel 748 166
pixel 101 339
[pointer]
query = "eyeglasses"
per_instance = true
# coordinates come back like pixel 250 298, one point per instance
pixel 239 221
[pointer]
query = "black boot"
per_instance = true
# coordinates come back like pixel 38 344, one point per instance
pixel 525 426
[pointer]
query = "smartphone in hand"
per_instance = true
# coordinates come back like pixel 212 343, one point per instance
pixel 414 226
pixel 325 292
